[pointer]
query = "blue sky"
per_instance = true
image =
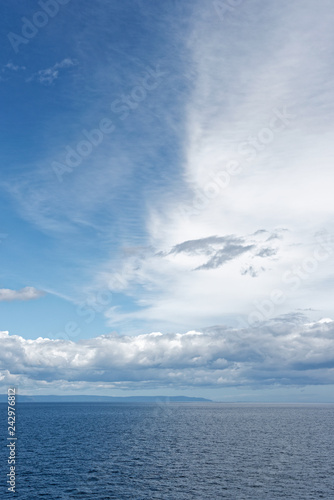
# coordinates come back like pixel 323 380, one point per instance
pixel 167 167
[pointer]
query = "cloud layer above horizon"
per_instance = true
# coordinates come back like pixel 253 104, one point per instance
pixel 283 352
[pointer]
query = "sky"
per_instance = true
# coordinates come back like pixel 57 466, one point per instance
pixel 166 222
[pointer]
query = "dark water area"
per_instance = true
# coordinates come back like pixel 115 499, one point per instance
pixel 171 451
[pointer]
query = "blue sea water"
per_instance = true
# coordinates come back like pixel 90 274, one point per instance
pixel 171 451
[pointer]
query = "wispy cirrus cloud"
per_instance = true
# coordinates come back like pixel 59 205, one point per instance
pixel 242 75
pixel 27 293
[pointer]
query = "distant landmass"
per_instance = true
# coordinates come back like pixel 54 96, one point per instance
pixel 104 399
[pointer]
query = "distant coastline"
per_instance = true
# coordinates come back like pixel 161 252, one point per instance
pixel 104 399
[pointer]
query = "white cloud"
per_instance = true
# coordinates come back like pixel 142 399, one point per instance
pixel 183 287
pixel 13 67
pixel 244 169
pixel 243 76
pixel 49 75
pixel 8 70
pixel 283 352
pixel 27 293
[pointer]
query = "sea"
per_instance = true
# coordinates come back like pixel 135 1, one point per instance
pixel 171 451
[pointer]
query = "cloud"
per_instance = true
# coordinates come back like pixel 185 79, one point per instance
pixel 266 252
pixel 204 244
pixel 13 67
pixel 243 77
pixel 166 285
pixel 27 293
pixel 8 69
pixel 252 271
pixel 226 90
pixel 222 256
pixel 49 75
pixel 285 351
pixel 221 249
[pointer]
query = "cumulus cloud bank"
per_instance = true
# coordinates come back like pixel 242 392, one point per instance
pixel 27 293
pixel 283 352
